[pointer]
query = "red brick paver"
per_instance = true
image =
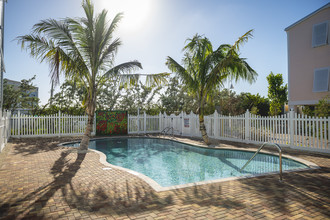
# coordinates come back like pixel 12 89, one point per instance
pixel 39 180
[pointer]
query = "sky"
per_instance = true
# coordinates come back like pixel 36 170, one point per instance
pixel 151 30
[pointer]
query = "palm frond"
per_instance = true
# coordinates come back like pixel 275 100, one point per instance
pixel 183 74
pixel 109 52
pixel 243 39
pixel 121 70
pixel 158 79
pixel 124 68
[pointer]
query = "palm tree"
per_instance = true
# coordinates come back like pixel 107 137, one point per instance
pixel 205 70
pixel 83 49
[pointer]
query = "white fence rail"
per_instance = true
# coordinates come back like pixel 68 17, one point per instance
pixel 4 128
pixel 290 129
pixel 47 126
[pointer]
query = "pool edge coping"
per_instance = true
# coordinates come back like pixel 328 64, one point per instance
pixel 158 188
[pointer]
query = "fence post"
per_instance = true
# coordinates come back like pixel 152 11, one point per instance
pixel 138 121
pixel 59 123
pixel 182 122
pixel 4 115
pixel 144 122
pixel 291 125
pixel 192 122
pixel 160 122
pixel 19 123
pixel 216 124
pixel 247 125
pixel 9 124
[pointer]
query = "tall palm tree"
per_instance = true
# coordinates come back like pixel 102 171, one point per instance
pixel 83 49
pixel 205 70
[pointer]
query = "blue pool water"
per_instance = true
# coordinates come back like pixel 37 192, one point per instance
pixel 172 163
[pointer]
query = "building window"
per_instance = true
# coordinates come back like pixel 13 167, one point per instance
pixel 321 80
pixel 320 34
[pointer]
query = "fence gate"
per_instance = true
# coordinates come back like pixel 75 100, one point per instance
pixel 111 122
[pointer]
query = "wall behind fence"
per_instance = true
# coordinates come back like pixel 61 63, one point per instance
pixel 111 122
pixel 290 129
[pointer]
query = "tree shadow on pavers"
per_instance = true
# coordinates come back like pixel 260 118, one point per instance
pixel 307 189
pixel 208 195
pixel 119 197
pixel 29 146
pixel 132 199
pixel 31 205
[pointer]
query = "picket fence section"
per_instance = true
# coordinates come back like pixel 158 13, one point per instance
pixel 46 126
pixel 291 129
pixel 4 128
pixel 143 123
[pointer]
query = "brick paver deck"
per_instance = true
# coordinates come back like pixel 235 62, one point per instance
pixel 39 180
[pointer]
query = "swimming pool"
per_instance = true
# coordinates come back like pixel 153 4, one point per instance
pixel 172 163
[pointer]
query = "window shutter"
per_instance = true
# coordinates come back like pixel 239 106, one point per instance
pixel 320 34
pixel 321 80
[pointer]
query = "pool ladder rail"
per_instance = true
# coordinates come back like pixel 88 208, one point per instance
pixel 166 131
pixel 279 155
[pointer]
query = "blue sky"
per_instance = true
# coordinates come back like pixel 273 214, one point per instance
pixel 154 29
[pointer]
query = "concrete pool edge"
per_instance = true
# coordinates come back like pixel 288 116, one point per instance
pixel 158 188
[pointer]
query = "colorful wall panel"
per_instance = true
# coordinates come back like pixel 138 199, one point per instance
pixel 111 122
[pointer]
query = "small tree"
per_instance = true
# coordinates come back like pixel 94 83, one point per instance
pixel 139 97
pixel 109 95
pixel 255 103
pixel 176 98
pixel 71 94
pixel 229 102
pixel 10 96
pixel 20 97
pixel 322 109
pixel 277 93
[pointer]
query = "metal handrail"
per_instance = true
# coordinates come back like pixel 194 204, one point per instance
pixel 166 130
pixel 279 154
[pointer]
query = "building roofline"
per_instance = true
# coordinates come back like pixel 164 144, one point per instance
pixel 10 80
pixel 308 16
pixel 18 82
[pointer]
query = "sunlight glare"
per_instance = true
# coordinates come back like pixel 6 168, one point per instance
pixel 136 12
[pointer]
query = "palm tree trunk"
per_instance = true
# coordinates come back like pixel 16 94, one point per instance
pixel 89 128
pixel 85 140
pixel 203 129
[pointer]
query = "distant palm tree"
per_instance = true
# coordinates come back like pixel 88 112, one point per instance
pixel 84 50
pixel 205 70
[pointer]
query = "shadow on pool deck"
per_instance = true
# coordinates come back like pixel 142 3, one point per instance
pixel 63 171
pixel 39 180
pixel 307 190
pixel 25 146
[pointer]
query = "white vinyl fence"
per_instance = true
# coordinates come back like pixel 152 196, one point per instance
pixel 47 126
pixel 291 129
pixel 4 128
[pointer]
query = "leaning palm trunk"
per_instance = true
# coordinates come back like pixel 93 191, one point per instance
pixel 85 140
pixel 202 128
pixel 89 127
